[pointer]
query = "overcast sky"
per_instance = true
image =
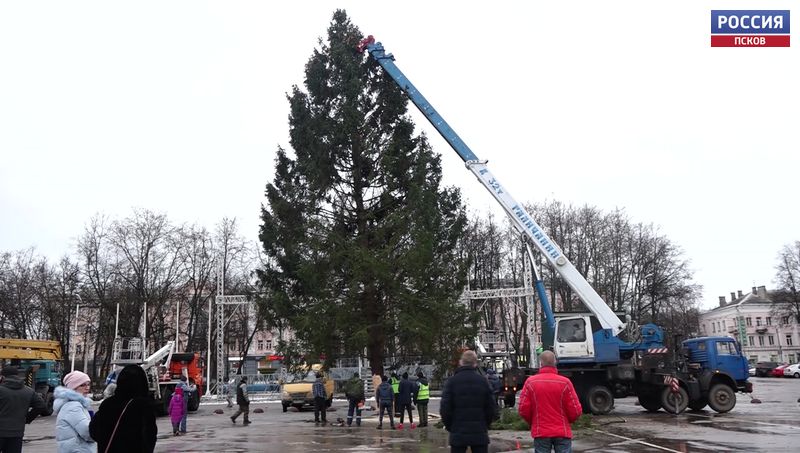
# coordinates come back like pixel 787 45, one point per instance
pixel 178 107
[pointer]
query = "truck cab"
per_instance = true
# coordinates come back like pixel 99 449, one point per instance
pixel 718 355
pixel 716 369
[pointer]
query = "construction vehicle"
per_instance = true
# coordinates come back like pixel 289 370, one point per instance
pixel 39 361
pixel 163 368
pixel 590 348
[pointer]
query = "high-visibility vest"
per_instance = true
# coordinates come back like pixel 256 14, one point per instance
pixel 423 393
pixel 395 385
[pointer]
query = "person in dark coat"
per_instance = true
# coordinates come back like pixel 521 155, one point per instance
pixel 243 400
pixel 404 401
pixel 135 411
pixel 468 407
pixel 384 396
pixel 19 405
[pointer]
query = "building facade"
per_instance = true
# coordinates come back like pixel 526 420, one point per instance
pixel 750 319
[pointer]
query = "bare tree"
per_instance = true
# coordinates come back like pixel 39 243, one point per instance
pixel 56 288
pixel 100 286
pixel 149 268
pixel 197 256
pixel 21 307
pixel 786 300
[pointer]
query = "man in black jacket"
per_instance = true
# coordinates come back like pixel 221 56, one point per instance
pixel 19 405
pixel 468 407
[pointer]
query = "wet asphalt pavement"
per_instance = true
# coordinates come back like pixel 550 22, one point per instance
pixel 773 425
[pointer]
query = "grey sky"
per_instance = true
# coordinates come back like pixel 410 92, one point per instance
pixel 179 107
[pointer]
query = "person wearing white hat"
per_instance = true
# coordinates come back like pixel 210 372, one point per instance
pixel 72 406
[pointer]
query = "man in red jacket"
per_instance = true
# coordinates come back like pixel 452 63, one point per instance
pixel 549 404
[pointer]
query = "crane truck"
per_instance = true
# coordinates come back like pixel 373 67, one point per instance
pixel 163 368
pixel 40 363
pixel 591 348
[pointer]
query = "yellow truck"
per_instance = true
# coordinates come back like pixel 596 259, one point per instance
pixel 297 392
pixel 39 361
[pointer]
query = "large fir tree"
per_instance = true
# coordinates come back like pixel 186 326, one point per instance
pixel 363 243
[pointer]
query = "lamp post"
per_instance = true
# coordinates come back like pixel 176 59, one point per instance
pixel 74 331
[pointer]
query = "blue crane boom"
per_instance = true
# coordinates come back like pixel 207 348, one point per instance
pixel 523 221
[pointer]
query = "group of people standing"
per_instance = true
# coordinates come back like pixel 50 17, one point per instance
pixel 124 422
pixel 548 403
pixel 399 401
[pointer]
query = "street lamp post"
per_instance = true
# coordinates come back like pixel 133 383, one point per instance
pixel 72 342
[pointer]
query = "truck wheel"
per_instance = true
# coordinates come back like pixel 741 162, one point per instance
pixel 509 399
pixel 166 394
pixel 285 407
pixel 721 398
pixel 194 401
pixel 600 400
pixel 674 402
pixel 48 404
pixel 650 403
pixel 698 404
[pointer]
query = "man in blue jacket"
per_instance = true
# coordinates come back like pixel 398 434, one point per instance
pixel 19 405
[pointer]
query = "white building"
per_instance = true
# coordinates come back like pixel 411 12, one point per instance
pixel 749 318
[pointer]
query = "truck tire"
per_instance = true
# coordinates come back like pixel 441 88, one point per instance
pixel 698 404
pixel 166 394
pixel 674 402
pixel 600 400
pixel 285 406
pixel 194 402
pixel 721 398
pixel 48 404
pixel 650 403
pixel 509 399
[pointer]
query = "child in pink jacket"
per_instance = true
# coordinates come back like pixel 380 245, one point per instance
pixel 176 409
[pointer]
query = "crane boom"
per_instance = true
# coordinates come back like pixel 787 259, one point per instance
pixel 14 348
pixel 524 221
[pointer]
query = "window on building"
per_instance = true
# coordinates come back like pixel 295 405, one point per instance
pixel 761 340
pixel 769 321
pixel 748 321
pixel 785 320
pixel 713 327
pixel 723 325
pixel 260 345
pixel 269 345
pixel 751 340
pixel 771 340
pixel 758 321
pixel 788 339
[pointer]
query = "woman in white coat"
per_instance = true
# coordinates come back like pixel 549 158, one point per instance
pixel 72 407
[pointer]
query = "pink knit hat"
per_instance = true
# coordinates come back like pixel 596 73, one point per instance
pixel 75 379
